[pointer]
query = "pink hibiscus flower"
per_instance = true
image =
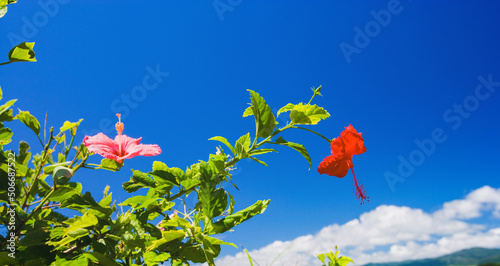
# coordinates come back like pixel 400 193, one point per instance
pixel 122 147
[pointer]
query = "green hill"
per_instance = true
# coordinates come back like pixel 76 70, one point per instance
pixel 466 257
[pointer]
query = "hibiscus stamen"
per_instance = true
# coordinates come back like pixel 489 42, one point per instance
pixel 119 129
pixel 360 190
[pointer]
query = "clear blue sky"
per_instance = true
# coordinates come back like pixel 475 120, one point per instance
pixel 408 76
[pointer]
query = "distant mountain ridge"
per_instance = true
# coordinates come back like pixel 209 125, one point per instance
pixel 466 257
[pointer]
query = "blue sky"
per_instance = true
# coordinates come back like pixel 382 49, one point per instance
pixel 396 70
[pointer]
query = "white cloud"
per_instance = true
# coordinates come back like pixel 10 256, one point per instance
pixel 391 233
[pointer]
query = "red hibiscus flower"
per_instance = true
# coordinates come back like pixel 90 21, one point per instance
pixel 338 164
pixel 122 147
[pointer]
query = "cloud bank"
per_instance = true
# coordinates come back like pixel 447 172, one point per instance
pixel 392 233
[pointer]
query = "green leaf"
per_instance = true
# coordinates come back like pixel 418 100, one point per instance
pixel 298 147
pixel 133 201
pixel 70 125
pixel 234 219
pixel 224 140
pixel 50 169
pixel 248 111
pixel 216 241
pixel 6 2
pixel 167 236
pixel 242 145
pixel 261 151
pixel 152 258
pixel 307 114
pixel 176 222
pixel 249 258
pixel 80 261
pixel 3 11
pixel 99 259
pixel 62 175
pixel 7 115
pixel 257 160
pixel 264 117
pixel 285 108
pixel 5 136
pixel 143 178
pixel 85 221
pixel 22 53
pixel 321 257
pixel 66 192
pixel 189 183
pixel 6 106
pixel 8 260
pixel 26 118
pixel 165 175
pixel 110 164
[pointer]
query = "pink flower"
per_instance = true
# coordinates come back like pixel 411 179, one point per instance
pixel 122 147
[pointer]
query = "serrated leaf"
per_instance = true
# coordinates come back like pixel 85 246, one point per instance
pixel 264 117
pixel 248 111
pixel 242 145
pixel 29 120
pixel 70 125
pixel 152 258
pixel 285 108
pixel 298 147
pixel 234 219
pixel 224 140
pixel 5 136
pixel 307 114
pixel 22 53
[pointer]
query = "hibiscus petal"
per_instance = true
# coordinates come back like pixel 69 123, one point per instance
pixel 150 149
pixel 132 148
pixel 332 166
pixel 353 141
pixel 337 148
pixel 102 145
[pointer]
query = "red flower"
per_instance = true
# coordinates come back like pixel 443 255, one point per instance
pixel 122 147
pixel 343 148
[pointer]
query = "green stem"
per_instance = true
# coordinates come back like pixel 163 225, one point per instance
pixel 180 194
pixel 43 201
pixel 312 131
pixel 39 170
pixel 66 152
pixel 39 139
pixel 5 63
